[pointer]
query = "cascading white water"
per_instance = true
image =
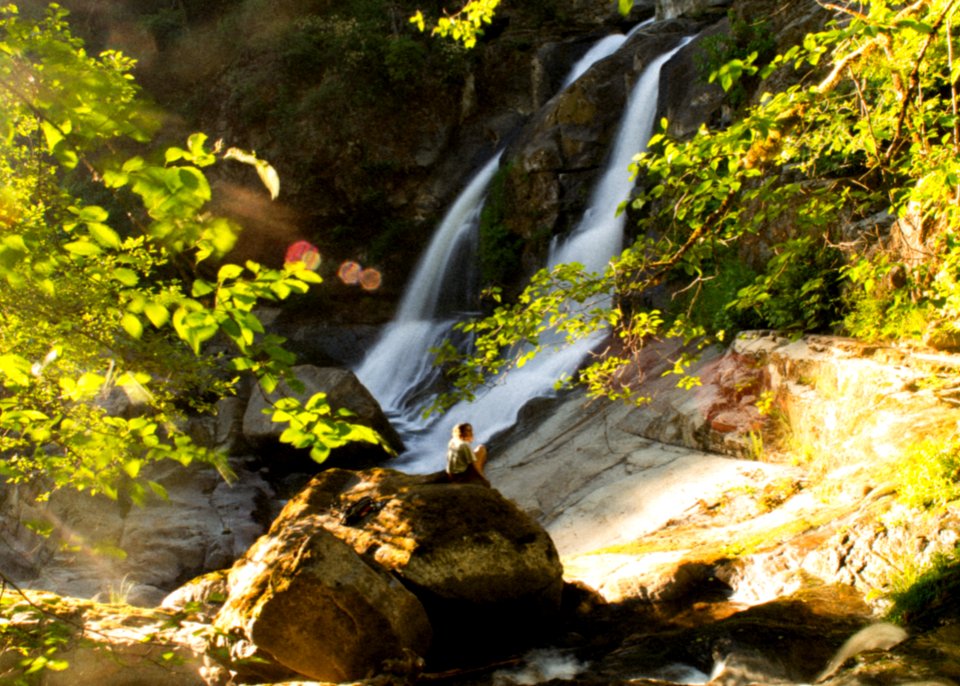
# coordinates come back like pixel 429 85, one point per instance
pixel 597 238
pixel 400 362
pixel 604 47
pixel 599 235
pixel 399 366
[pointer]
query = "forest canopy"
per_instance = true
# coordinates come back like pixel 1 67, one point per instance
pixel 120 312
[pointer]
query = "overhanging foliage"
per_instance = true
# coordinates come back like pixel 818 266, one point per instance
pixel 868 130
pixel 113 278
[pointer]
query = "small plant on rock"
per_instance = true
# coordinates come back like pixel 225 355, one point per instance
pixel 929 474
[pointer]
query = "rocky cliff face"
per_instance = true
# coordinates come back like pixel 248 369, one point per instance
pixel 372 150
pixel 373 127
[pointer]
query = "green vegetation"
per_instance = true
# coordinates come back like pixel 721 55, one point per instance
pixel 36 632
pixel 928 477
pixel 114 280
pixel 345 56
pixel 725 55
pixel 798 290
pixel 40 630
pixel 867 134
pixel 465 25
pixel 925 597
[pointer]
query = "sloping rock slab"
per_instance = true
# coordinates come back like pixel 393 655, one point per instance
pixel 488 574
pixel 308 600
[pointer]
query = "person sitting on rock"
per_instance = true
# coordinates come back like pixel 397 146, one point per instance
pixel 464 463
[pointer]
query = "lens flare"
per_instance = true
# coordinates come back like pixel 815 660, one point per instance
pixel 370 279
pixel 303 251
pixel 349 272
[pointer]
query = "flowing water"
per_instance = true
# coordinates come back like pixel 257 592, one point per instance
pixel 398 367
pixel 400 363
pixel 603 48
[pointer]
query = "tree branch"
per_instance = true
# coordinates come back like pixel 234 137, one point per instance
pixel 913 81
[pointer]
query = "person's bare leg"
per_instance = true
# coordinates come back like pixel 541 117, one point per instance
pixel 481 452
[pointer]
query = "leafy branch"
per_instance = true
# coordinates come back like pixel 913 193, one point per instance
pixel 853 137
pixel 100 299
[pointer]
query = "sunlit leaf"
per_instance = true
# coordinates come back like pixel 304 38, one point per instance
pixel 132 325
pixel 83 248
pixel 156 313
pixel 127 277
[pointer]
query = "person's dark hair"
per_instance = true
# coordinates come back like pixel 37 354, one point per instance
pixel 461 429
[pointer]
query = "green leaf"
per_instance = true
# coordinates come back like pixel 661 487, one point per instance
pixel 132 468
pixel 15 368
pixel 127 277
pixel 88 385
pixel 132 325
pixel 201 288
pixel 156 313
pixel 281 289
pixel 83 248
pixel 90 213
pixel 228 272
pixel 51 134
pixel 158 490
pixel 174 153
pixel 104 235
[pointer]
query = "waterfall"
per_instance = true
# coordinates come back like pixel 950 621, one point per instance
pixel 400 363
pixel 599 235
pixel 596 239
pixel 604 47
pixel 399 366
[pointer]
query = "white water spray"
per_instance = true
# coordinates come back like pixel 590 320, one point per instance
pixel 599 235
pixel 603 48
pixel 399 367
pixel 400 362
pixel 596 239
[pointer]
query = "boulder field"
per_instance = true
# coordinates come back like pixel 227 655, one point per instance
pixel 679 541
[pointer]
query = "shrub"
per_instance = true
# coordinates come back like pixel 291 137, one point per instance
pixel 925 597
pixel 929 476
pixel 744 39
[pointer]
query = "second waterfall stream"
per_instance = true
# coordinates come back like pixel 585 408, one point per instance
pixel 398 370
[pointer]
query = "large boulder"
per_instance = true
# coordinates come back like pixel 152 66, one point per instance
pixel 344 392
pixel 305 598
pixel 488 575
